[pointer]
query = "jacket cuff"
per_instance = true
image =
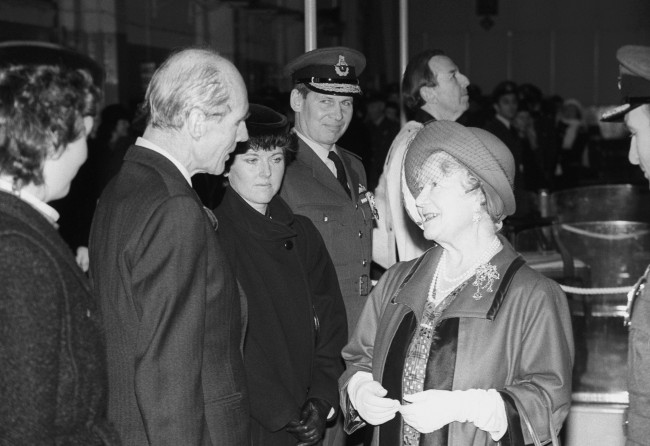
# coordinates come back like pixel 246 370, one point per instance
pixel 514 435
pixel 352 421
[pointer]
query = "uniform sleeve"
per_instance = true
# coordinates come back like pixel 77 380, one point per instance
pixel 31 303
pixel 330 316
pixel 169 290
pixel 546 364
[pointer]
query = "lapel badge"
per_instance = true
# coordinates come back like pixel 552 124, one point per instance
pixel 342 68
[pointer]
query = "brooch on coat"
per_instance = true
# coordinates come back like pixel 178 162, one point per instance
pixel 484 278
pixel 368 197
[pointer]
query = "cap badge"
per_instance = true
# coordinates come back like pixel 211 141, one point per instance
pixel 342 68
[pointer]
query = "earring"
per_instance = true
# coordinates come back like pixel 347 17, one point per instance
pixel 476 217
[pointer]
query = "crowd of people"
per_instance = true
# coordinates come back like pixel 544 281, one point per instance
pixel 253 319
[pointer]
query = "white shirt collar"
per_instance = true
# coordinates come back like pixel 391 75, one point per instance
pixel 504 120
pixel 320 151
pixel 151 146
pixel 48 211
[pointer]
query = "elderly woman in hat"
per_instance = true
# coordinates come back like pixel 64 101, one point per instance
pixel 465 345
pixel 296 317
pixel 53 378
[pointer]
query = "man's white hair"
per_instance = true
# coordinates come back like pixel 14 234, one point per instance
pixel 191 78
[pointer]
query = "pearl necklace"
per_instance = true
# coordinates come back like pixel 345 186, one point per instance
pixel 490 251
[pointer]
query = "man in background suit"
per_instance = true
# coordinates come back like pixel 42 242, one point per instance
pixel 171 308
pixel 433 88
pixel 326 182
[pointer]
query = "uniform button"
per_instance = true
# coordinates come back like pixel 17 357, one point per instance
pixel 356 206
pixel 288 244
pixel 360 234
pixel 364 262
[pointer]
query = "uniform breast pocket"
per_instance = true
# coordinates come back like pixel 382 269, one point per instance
pixel 330 220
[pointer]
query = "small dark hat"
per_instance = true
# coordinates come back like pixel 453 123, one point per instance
pixel 332 70
pixel 633 81
pixel 263 120
pixel 502 89
pixel 19 52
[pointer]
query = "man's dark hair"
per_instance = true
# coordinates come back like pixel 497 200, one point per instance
pixel 418 74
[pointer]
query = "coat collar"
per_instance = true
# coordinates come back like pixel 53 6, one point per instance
pixel 158 162
pixel 278 227
pixel 30 217
pixel 415 286
pixel 322 174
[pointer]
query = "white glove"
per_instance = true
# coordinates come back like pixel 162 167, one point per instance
pixel 432 409
pixel 366 395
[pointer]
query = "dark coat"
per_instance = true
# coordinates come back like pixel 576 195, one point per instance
pixel 290 283
pixel 52 358
pixel 516 338
pixel 345 223
pixel 171 309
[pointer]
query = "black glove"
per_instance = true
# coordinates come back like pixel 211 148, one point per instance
pixel 313 419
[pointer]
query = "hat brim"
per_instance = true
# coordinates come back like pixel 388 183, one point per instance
pixel 617 114
pixel 20 52
pixel 334 89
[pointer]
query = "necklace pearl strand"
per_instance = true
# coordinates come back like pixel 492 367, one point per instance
pixel 441 271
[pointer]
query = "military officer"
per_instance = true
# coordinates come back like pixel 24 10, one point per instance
pixel 328 183
pixel 634 84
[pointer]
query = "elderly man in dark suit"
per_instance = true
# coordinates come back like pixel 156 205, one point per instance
pixel 170 304
pixel 326 182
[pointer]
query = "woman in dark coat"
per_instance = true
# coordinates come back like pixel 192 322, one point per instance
pixel 296 317
pixel 52 366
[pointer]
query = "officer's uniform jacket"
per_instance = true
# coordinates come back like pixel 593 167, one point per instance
pixel 345 223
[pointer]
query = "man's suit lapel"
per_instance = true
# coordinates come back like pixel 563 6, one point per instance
pixel 319 170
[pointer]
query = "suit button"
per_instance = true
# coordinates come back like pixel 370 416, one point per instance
pixel 364 262
pixel 288 244
pixel 360 234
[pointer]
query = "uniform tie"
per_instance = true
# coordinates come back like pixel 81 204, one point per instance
pixel 340 171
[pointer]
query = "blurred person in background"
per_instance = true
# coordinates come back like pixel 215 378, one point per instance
pixel 573 143
pixel 52 351
pixel 381 131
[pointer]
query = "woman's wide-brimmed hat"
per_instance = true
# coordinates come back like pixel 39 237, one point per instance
pixel 482 153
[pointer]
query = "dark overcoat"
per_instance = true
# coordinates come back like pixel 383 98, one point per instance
pixel 345 223
pixel 52 359
pixel 296 324
pixel 171 310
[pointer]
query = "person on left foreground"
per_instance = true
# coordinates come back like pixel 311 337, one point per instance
pixel 52 353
